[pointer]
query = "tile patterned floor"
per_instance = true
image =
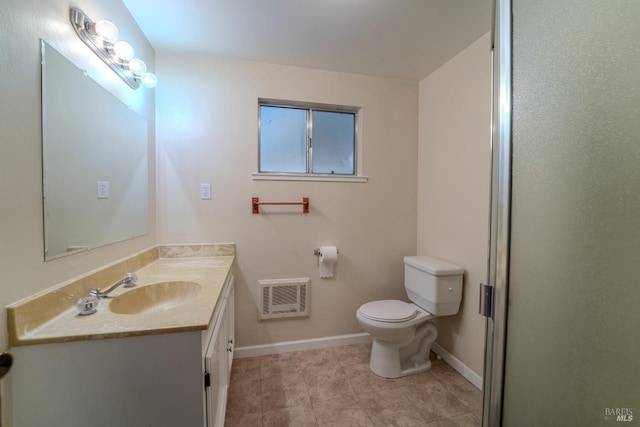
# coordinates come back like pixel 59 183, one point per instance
pixel 334 387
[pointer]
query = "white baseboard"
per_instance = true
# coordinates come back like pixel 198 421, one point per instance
pixel 310 344
pixel 456 364
pixel 335 341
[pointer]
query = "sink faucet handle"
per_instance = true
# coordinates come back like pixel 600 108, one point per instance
pixel 130 280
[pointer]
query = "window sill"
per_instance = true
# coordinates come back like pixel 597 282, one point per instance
pixel 302 177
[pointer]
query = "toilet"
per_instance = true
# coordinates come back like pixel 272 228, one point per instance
pixel 402 331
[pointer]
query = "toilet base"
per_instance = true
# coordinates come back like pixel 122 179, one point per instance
pixel 408 357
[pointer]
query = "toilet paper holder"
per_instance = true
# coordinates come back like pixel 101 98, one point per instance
pixel 317 251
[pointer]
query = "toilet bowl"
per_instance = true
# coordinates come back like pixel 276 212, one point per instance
pixel 402 332
pixel 394 325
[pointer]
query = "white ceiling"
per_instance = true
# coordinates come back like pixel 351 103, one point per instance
pixel 404 39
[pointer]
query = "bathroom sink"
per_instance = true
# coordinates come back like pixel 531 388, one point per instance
pixel 154 297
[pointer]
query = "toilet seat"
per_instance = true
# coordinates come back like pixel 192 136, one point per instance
pixel 391 311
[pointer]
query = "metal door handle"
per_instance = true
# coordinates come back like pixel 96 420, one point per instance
pixel 486 300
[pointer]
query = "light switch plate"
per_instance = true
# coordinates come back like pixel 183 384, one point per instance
pixel 205 191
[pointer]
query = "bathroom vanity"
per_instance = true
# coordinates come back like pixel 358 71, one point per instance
pixel 159 361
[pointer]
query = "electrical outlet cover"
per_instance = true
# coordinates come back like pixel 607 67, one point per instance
pixel 103 191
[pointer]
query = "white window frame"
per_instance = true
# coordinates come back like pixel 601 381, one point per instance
pixel 310 176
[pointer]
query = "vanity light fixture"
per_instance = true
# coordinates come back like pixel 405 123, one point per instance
pixel 122 50
pixel 102 39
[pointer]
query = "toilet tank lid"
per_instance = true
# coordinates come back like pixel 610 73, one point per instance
pixel 434 266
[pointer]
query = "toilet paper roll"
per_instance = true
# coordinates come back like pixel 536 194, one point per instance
pixel 328 254
pixel 328 257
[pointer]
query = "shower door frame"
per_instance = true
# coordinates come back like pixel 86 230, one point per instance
pixel 499 227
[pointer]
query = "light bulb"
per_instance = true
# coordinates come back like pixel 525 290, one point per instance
pixel 123 50
pixel 105 29
pixel 149 80
pixel 137 66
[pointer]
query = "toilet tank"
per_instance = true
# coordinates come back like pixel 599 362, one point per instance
pixel 433 284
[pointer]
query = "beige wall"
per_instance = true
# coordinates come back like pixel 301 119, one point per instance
pixel 22 24
pixel 207 132
pixel 453 186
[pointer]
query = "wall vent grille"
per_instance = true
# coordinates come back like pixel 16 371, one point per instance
pixel 283 298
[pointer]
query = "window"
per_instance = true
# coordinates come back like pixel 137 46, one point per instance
pixel 309 139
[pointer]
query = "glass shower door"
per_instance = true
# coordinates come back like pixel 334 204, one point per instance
pixel 572 354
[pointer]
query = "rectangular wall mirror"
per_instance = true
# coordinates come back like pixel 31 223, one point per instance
pixel 95 167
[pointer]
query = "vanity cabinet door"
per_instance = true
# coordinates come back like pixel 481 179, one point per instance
pixel 218 359
pixel 216 365
pixel 231 340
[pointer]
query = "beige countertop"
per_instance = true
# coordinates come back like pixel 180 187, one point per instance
pixel 210 272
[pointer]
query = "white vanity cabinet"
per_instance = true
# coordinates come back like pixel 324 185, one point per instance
pixel 154 380
pixel 218 359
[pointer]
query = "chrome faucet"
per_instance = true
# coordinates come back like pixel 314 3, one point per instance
pixel 129 281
